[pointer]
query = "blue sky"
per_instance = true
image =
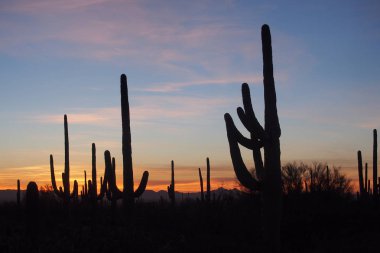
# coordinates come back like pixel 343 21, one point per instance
pixel 185 62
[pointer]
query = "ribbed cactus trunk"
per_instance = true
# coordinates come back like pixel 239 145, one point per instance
pixel 375 188
pixel 360 173
pixel 208 189
pixel 18 192
pixel 201 183
pixel 268 173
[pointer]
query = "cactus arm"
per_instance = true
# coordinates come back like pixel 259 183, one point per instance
pixel 116 193
pixel 241 170
pixel 103 186
pixel 74 194
pixel 247 116
pixel 245 142
pixel 143 183
pixel 252 144
pixel 114 174
pixel 53 182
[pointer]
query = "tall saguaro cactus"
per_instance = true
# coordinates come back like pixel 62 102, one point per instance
pixel 208 187
pixel 65 194
pixel 268 173
pixel 171 187
pixel 375 186
pixel 360 173
pixel 129 194
pixel 93 160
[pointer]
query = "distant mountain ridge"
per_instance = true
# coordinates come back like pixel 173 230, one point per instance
pixel 148 195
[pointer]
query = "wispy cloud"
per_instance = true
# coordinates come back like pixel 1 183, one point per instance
pixel 146 109
pixel 177 86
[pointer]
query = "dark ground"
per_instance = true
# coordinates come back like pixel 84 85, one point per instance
pixel 310 224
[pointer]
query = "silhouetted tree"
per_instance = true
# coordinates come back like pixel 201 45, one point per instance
pixel 293 177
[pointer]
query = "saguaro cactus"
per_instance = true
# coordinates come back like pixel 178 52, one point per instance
pixel 360 172
pixel 128 194
pixel 268 174
pixel 32 197
pixel 171 187
pixel 208 187
pixel 18 192
pixel 65 194
pixel 201 183
pixel 94 191
pixel 366 178
pixel 85 184
pixel 375 188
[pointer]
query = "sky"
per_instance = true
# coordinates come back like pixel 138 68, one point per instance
pixel 185 62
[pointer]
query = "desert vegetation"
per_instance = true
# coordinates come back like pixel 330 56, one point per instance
pixel 292 207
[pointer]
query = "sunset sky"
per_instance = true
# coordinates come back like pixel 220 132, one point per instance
pixel 185 62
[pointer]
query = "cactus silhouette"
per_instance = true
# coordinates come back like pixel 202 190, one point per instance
pixel 360 172
pixel 171 187
pixel 65 193
pixel 375 188
pixel 268 174
pixel 201 183
pixel 85 184
pixel 128 194
pixel 90 186
pixel 18 195
pixel 94 189
pixel 32 197
pixel 208 187
pixel 366 178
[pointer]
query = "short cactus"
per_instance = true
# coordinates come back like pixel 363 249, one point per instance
pixel 171 187
pixel 366 178
pixel 201 183
pixel 32 197
pixel 18 195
